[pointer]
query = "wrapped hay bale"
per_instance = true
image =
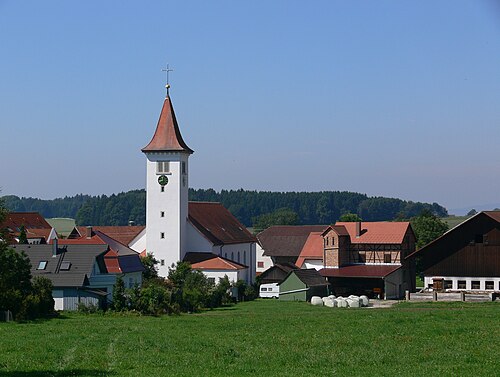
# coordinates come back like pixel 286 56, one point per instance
pixel 329 302
pixel 316 300
pixel 332 297
pixel 353 296
pixel 353 302
pixel 364 300
pixel 341 302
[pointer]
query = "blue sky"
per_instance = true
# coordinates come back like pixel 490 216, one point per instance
pixel 387 98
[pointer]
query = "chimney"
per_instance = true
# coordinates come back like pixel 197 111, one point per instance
pixel 54 248
pixel 358 229
pixel 88 233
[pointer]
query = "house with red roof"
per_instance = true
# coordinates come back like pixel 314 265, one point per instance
pixel 366 258
pixel 38 230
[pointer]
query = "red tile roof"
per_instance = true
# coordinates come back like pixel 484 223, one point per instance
pixel 360 271
pixel 286 240
pixel 313 248
pixel 122 234
pixel 167 137
pixel 35 225
pixel 381 232
pixel 210 261
pixel 218 224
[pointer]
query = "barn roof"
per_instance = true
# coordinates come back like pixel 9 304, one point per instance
pixel 35 225
pixel 217 224
pixel 360 271
pixel 313 248
pixel 167 137
pixel 310 277
pixel 210 261
pixel 286 240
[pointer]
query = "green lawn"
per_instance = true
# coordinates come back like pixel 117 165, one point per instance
pixel 262 338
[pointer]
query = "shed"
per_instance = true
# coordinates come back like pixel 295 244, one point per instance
pixel 301 285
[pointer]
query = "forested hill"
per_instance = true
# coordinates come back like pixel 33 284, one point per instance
pixel 323 207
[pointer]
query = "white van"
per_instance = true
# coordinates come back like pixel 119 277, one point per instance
pixel 270 290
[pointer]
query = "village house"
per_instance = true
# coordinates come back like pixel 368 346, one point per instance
pixel 465 258
pixel 83 273
pixel 368 258
pixel 37 229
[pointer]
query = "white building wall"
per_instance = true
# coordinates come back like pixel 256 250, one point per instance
pixel 428 281
pixel 313 263
pixel 233 275
pixel 264 260
pixel 243 253
pixel 197 242
pixel 173 201
pixel 139 243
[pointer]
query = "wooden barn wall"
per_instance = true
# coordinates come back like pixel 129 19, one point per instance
pixel 456 240
pixel 472 259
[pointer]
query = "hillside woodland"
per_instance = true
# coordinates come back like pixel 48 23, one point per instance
pixel 323 207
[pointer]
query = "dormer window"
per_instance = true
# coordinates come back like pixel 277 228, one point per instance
pixel 162 167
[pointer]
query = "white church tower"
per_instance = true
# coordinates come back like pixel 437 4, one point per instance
pixel 167 190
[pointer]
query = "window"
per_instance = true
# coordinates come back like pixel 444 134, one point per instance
pixel 232 255
pixel 162 214
pixel 238 257
pixel 260 264
pixel 263 289
pixel 362 258
pixel 244 256
pixel 183 167
pixel 162 188
pixel 489 285
pixel 462 284
pixel 476 284
pixel 333 241
pixel 162 262
pixel 387 258
pixel 211 280
pixel 162 167
pixel 225 255
pixel 162 235
pixel 131 282
pixel 326 241
pixel 65 266
pixel 478 238
pixel 448 284
pixel 42 265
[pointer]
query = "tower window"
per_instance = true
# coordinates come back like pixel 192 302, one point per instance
pixel 162 214
pixel 162 167
pixel 162 188
pixel 162 235
pixel 162 262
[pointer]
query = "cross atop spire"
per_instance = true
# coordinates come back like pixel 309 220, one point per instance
pixel 167 69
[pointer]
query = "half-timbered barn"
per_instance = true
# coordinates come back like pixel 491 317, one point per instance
pixel 466 257
pixel 369 258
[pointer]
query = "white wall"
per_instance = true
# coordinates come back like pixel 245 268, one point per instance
pixel 233 276
pixel 313 263
pixel 197 242
pixel 173 202
pixel 428 280
pixel 260 257
pixel 243 253
pixel 139 242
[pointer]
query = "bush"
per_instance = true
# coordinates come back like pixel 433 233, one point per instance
pixel 88 308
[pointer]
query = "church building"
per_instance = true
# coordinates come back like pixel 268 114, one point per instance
pixel 175 229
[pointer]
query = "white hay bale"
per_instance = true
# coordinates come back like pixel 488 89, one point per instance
pixel 328 302
pixel 332 297
pixel 353 296
pixel 341 302
pixel 364 300
pixel 316 300
pixel 353 302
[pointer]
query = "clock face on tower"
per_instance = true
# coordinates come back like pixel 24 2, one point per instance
pixel 162 180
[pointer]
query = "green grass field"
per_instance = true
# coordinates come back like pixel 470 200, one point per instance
pixel 262 338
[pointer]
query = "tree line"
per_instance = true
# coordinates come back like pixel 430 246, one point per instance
pixel 324 207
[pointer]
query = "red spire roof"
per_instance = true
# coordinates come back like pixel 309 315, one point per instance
pixel 167 137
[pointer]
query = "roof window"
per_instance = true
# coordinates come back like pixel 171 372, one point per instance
pixel 65 266
pixel 42 265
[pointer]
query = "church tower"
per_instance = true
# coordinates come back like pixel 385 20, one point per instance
pixel 166 190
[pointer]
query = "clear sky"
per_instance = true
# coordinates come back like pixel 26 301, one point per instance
pixel 391 98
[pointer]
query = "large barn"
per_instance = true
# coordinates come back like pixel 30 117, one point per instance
pixel 466 257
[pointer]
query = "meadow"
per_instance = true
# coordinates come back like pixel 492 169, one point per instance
pixel 264 337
